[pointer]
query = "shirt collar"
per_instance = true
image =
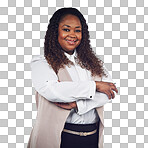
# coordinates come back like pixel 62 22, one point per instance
pixel 71 57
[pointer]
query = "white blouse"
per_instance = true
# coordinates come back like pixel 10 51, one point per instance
pixel 81 89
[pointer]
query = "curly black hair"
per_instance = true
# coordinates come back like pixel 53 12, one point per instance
pixel 54 54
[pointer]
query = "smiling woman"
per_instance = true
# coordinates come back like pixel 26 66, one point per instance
pixel 69 33
pixel 70 92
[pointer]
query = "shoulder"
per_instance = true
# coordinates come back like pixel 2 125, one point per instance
pixel 37 58
pixel 40 67
pixel 39 61
pixel 108 77
pixel 105 69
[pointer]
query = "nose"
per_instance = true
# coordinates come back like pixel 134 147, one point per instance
pixel 72 34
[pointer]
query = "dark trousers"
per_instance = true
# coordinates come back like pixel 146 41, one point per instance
pixel 75 141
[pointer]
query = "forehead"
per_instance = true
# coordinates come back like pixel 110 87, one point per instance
pixel 70 20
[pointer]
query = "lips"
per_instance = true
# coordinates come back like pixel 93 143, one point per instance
pixel 71 42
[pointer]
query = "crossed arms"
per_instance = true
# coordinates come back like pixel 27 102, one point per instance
pixel 83 95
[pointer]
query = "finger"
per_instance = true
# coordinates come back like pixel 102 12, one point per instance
pixel 55 103
pixel 114 88
pixel 60 104
pixel 65 106
pixel 109 94
pixel 72 104
pixel 113 94
pixel 111 84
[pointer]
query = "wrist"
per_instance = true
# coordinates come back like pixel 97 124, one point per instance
pixel 97 85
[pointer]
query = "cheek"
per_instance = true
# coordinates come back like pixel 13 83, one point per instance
pixel 62 35
pixel 80 36
pixel 60 38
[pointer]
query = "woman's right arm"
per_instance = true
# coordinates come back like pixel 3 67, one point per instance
pixel 45 82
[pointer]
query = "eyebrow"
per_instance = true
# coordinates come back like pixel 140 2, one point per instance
pixel 69 26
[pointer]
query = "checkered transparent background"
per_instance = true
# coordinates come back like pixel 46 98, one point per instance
pixel 119 35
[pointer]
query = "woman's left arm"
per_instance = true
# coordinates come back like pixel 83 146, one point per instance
pixel 99 100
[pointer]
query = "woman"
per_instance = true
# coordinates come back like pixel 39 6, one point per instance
pixel 71 85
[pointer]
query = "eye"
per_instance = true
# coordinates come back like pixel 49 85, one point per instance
pixel 77 30
pixel 66 30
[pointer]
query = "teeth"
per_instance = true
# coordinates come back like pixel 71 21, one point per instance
pixel 70 41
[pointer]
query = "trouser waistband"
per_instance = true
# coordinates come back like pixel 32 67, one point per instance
pixel 81 127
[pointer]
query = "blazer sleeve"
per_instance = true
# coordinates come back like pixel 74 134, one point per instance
pixel 45 82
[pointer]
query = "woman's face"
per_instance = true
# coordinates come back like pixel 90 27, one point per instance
pixel 69 33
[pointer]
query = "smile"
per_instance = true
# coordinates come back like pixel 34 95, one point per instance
pixel 71 42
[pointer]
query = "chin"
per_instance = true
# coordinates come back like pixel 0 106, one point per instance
pixel 70 49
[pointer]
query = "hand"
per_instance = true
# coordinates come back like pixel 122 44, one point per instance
pixel 107 88
pixel 67 106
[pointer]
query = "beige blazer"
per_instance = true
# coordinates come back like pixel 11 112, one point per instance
pixel 50 120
